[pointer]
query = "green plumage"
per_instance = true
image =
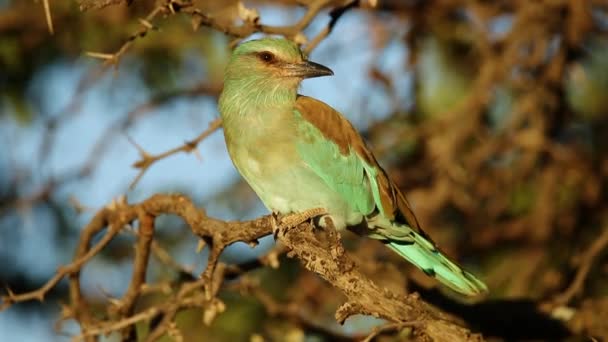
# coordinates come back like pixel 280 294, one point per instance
pixel 297 153
pixel 345 175
pixel 426 257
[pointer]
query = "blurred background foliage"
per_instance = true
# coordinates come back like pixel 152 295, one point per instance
pixel 491 115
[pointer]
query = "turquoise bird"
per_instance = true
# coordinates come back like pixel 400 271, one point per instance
pixel 300 155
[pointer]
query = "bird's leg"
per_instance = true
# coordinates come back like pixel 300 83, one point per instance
pixel 294 220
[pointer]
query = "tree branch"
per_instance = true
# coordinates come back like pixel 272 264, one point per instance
pixel 319 251
pixel 586 261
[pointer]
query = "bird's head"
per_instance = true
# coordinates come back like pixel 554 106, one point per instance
pixel 274 60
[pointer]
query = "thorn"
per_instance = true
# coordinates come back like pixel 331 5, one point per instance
pixel 115 302
pixel 273 260
pixel 112 205
pixel 170 6
pixel 300 39
pixel 140 149
pixel 122 199
pixel 110 298
pixel 372 3
pixel 136 180
pixel 66 311
pixel 198 155
pixel 147 24
pixel 201 244
pixel 106 56
pixel 9 292
pixel 47 13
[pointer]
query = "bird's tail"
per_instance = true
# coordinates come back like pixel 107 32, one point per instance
pixel 424 255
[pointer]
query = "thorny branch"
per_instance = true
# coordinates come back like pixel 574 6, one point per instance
pixel 320 252
pixel 250 26
pixel 146 25
pixel 102 144
pixel 189 146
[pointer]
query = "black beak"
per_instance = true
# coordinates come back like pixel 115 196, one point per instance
pixel 308 69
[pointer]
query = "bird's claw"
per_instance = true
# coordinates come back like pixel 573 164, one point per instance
pixel 275 224
pixel 280 224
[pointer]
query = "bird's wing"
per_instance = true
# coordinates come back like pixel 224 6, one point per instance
pixel 336 152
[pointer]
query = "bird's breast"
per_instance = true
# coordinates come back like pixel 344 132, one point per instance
pixel 262 148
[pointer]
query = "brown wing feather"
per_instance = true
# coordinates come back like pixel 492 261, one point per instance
pixel 339 130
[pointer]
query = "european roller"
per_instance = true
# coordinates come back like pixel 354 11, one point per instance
pixel 300 155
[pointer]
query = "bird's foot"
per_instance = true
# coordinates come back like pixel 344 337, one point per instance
pixel 280 225
pixel 296 219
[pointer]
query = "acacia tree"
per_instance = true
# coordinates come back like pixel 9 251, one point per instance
pixel 500 149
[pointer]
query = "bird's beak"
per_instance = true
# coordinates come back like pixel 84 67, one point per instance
pixel 307 69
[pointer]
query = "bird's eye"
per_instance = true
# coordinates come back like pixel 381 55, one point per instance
pixel 266 56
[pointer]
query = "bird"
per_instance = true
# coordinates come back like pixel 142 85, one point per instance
pixel 300 156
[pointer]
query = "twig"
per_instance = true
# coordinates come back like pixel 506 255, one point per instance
pixel 114 58
pixel 163 256
pixel 389 327
pixel 102 144
pixel 289 311
pixel 63 271
pixel 47 14
pixel 86 5
pixel 294 32
pixel 147 159
pixel 126 305
pixel 120 324
pixel 586 262
pixel 335 14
